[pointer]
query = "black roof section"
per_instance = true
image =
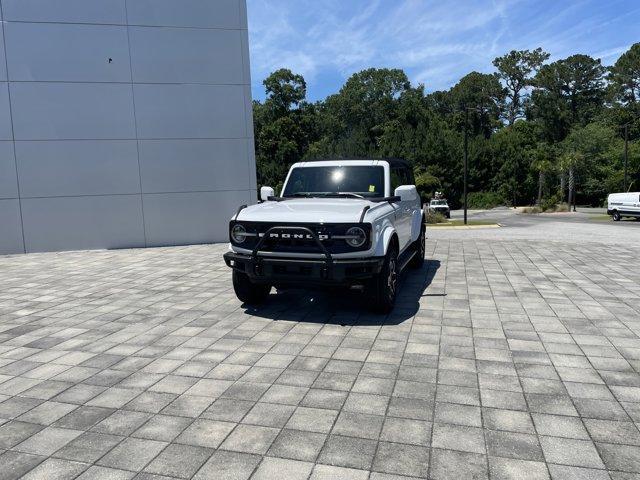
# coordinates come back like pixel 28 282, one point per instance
pixel 393 162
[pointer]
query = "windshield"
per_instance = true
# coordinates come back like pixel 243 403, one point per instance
pixel 348 181
pixel 438 202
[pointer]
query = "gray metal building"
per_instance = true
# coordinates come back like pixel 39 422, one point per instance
pixel 123 123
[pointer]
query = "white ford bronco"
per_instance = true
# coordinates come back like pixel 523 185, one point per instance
pixel 351 223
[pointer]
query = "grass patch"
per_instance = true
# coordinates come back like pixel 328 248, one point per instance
pixel 601 217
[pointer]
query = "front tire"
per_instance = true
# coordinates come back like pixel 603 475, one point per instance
pixel 616 216
pixel 247 291
pixel 418 259
pixel 384 286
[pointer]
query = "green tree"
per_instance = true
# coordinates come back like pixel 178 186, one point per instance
pixel 427 184
pixel 568 92
pixel 284 90
pixel 512 175
pixel 353 120
pixel 624 76
pixel 284 126
pixel 483 93
pixel 588 154
pixel 544 161
pixel 516 69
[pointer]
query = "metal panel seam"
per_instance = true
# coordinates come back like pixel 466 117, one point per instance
pixel 13 136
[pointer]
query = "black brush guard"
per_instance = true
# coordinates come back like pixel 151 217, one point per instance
pixel 286 270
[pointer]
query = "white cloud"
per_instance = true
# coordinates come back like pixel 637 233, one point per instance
pixel 435 41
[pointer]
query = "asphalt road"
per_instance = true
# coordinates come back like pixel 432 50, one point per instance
pixel 585 225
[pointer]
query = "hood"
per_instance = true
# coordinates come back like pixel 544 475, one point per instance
pixel 306 210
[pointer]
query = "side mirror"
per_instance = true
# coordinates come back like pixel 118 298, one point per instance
pixel 407 193
pixel 266 192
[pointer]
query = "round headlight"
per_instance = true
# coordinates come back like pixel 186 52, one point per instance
pixel 238 233
pixel 356 237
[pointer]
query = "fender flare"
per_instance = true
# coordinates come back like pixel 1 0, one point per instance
pixel 384 239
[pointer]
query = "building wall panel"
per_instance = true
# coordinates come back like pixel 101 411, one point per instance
pixel 123 123
pixel 194 165
pixel 77 167
pixel 188 13
pixel 186 55
pixel 67 53
pixel 68 11
pixel 72 111
pixel 193 217
pixel 8 179
pixel 11 232
pixel 82 223
pixel 5 113
pixel 190 111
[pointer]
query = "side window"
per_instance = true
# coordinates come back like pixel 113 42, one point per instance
pixel 406 176
pixel 401 176
pixel 396 179
pixel 410 178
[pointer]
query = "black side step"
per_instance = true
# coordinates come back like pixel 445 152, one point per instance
pixel 406 257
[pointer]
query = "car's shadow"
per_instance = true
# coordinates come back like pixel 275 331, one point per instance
pixel 349 307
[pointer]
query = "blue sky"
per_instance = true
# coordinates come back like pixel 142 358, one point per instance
pixel 435 42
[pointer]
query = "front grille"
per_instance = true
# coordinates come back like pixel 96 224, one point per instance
pixel 301 245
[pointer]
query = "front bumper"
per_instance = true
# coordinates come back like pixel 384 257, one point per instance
pixel 304 271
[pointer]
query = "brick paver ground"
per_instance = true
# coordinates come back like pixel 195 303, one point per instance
pixel 504 359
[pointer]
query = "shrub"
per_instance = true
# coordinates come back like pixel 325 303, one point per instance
pixel 552 204
pixel 426 184
pixel 435 217
pixel 549 203
pixel 531 210
pixel 484 200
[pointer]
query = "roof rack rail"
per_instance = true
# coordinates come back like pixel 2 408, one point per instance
pixel 391 161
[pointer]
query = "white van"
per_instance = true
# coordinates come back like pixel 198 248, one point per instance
pixel 623 205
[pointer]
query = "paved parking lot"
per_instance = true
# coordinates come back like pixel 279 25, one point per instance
pixel 508 359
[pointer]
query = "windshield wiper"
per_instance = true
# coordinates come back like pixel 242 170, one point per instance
pixel 323 195
pixel 343 194
pixel 299 195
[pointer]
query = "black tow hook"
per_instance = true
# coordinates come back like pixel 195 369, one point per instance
pixel 324 272
pixel 258 269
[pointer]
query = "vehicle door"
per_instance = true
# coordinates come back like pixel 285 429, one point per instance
pixel 404 211
pixel 415 219
pixel 629 203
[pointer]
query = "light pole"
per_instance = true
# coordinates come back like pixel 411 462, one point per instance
pixel 466 162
